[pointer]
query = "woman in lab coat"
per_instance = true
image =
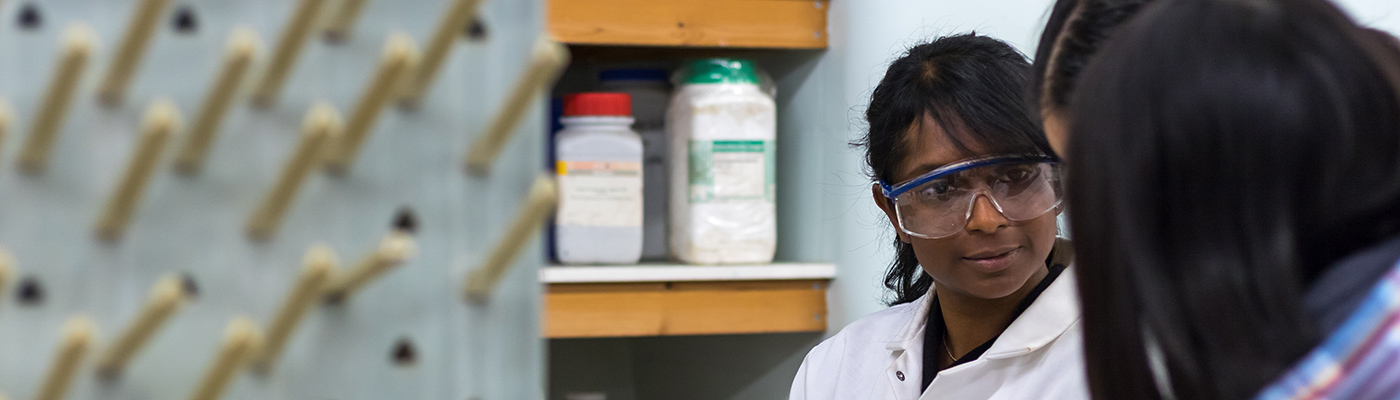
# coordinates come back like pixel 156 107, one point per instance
pixel 985 305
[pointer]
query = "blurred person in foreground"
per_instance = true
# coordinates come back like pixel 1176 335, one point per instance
pixel 1235 176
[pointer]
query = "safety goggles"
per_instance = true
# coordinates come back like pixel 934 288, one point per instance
pixel 938 204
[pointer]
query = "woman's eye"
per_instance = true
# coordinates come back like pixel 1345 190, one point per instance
pixel 937 190
pixel 1017 174
pixel 932 190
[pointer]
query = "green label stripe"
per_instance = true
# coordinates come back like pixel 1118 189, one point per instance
pixel 738 146
pixel 702 162
pixel 700 155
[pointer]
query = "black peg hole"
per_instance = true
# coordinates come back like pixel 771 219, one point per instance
pixel 185 21
pixel 188 284
pixel 405 221
pixel 31 292
pixel 30 18
pixel 404 353
pixel 476 30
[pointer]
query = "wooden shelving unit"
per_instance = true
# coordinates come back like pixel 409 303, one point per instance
pixel 613 328
pixel 668 300
pixel 794 24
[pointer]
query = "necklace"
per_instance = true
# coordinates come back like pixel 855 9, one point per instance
pixel 947 347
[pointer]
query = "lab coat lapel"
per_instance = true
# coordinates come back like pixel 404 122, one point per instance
pixel 905 372
pixel 1050 316
pixel 1054 312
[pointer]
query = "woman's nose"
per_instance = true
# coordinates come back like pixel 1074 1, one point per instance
pixel 985 216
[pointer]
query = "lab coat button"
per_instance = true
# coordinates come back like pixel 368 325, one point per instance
pixel 900 375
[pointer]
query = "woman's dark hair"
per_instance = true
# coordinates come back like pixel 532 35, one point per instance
pixel 1226 153
pixel 1074 32
pixel 973 87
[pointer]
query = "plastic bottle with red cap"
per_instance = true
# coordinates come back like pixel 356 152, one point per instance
pixel 599 167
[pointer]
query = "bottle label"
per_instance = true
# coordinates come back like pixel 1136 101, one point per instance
pixel 723 171
pixel 599 193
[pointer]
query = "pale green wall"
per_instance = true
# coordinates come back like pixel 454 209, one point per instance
pixel 1382 14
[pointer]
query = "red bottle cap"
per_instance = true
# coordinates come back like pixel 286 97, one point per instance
pixel 598 104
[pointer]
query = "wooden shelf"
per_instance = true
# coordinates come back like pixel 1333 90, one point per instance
pixel 666 300
pixel 793 24
pixel 682 272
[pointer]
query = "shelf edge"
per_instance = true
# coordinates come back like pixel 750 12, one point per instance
pixel 685 273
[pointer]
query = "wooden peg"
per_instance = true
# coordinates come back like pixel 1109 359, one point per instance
pixel 161 122
pixel 320 261
pixel 241 341
pixel 540 203
pixel 392 252
pixel 242 46
pixel 5 114
pixel 7 268
pixel 400 54
pixel 43 131
pixel 133 45
pixel 338 30
pixel 321 125
pixel 458 15
pixel 549 60
pixel 288 48
pixel 78 335
pixel 166 298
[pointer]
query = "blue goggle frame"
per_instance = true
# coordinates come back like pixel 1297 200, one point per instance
pixel 892 191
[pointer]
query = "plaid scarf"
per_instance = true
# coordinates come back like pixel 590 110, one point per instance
pixel 1359 360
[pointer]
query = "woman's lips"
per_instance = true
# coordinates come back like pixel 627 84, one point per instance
pixel 993 262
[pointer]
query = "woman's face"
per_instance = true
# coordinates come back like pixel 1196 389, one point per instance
pixel 992 257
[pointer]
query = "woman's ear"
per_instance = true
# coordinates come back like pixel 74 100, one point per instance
pixel 1056 130
pixel 887 206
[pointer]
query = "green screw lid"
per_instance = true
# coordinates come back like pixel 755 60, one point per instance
pixel 720 70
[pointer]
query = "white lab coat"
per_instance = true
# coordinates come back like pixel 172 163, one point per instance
pixel 880 356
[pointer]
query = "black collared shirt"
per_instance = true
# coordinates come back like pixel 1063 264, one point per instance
pixel 934 331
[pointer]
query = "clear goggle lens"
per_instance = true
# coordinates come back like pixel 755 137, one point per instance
pixel 940 203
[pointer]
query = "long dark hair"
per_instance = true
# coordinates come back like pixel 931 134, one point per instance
pixel 1226 153
pixel 973 87
pixel 1074 32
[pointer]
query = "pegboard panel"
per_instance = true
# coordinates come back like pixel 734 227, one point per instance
pixel 195 224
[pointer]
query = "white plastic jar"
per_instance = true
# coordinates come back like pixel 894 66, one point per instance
pixel 722 128
pixel 598 162
pixel 650 92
